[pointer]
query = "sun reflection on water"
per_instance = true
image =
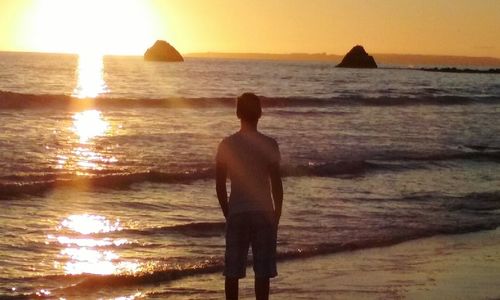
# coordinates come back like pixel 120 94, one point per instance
pixel 87 224
pixel 89 124
pixel 89 254
pixel 92 261
pixel 90 76
pixel 85 153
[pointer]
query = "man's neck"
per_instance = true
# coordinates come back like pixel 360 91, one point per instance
pixel 247 126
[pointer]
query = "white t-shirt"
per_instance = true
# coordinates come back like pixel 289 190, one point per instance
pixel 248 156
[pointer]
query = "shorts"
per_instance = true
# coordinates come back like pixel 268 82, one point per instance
pixel 251 228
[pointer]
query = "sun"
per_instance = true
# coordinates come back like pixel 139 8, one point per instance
pixel 92 26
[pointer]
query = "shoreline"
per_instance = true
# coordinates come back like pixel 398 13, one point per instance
pixel 462 266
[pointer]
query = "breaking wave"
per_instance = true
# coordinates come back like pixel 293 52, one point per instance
pixel 11 100
pixel 36 184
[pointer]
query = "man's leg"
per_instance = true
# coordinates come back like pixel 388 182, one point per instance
pixel 264 253
pixel 235 260
pixel 262 288
pixel 231 287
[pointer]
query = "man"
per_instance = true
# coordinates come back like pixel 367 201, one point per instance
pixel 251 160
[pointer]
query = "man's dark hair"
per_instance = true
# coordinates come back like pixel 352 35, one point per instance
pixel 248 107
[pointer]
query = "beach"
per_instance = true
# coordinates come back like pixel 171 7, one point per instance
pixel 463 266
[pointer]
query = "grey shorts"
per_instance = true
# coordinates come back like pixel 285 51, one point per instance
pixel 251 228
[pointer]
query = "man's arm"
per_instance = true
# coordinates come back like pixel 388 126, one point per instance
pixel 277 189
pixel 220 186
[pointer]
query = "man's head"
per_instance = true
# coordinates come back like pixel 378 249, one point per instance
pixel 248 107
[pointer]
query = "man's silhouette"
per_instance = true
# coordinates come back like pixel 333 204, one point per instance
pixel 251 160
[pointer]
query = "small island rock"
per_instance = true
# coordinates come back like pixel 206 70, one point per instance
pixel 163 51
pixel 357 58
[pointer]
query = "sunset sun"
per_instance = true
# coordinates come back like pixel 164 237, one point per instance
pixel 91 26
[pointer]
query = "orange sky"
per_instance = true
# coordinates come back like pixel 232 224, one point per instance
pixel 449 27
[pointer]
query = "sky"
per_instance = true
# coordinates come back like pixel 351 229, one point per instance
pixel 439 27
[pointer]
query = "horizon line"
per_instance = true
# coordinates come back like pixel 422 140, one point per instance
pixel 326 54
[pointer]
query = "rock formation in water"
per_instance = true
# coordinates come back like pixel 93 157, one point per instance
pixel 163 51
pixel 357 58
pixel 455 70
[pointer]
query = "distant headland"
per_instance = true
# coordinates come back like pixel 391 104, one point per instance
pixel 163 51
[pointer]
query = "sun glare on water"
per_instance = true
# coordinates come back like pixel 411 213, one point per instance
pixel 87 224
pixel 83 253
pixel 90 74
pixel 89 124
pixel 85 152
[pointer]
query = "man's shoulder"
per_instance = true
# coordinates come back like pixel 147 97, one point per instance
pixel 237 138
pixel 228 138
pixel 272 141
pixel 227 142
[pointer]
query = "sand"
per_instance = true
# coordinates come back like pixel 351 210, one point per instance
pixel 465 266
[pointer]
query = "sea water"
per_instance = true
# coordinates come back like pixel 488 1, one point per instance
pixel 111 193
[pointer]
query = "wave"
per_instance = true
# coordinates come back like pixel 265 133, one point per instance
pixel 84 283
pixel 113 180
pixel 479 202
pixel 27 185
pixel 194 229
pixel 15 185
pixel 12 100
pixel 475 202
pixel 492 155
pixel 482 203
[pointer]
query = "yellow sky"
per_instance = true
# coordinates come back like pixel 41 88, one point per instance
pixel 449 27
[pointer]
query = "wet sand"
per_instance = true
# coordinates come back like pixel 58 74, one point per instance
pixel 465 266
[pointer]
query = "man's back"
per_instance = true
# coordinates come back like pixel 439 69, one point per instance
pixel 251 160
pixel 248 157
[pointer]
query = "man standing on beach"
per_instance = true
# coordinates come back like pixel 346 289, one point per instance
pixel 251 160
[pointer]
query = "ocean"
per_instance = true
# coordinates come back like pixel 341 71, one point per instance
pixel 111 193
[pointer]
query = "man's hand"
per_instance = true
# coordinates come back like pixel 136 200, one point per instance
pixel 277 190
pixel 277 216
pixel 220 186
